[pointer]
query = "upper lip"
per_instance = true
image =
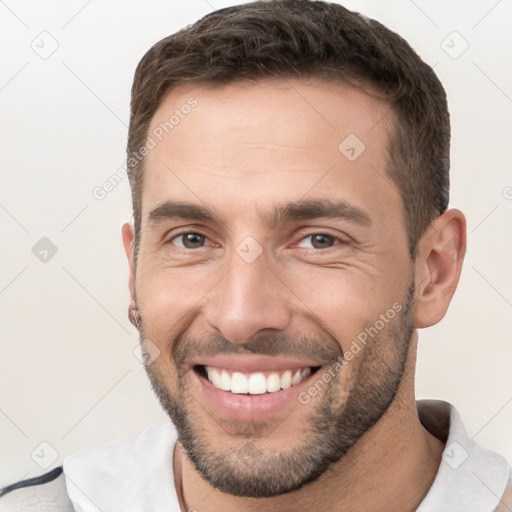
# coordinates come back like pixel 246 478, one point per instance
pixel 251 364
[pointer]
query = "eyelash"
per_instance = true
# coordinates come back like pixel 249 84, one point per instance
pixel 335 238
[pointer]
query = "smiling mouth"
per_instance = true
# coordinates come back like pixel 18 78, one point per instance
pixel 254 383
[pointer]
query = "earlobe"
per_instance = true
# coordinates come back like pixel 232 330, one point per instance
pixel 438 267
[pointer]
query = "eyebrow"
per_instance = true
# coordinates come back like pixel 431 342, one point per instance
pixel 180 210
pixel 307 209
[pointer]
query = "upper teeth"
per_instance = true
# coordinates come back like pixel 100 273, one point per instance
pixel 255 383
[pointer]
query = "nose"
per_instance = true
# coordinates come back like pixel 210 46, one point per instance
pixel 249 298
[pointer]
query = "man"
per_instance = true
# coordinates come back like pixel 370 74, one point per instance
pixel 289 170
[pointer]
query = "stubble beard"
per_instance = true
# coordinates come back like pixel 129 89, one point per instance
pixel 246 469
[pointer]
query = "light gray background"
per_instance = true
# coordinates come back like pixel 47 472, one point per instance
pixel 69 377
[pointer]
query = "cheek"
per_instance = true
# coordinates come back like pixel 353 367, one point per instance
pixel 166 293
pixel 341 302
pixel 170 299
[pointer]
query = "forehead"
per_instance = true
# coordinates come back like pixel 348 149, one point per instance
pixel 267 143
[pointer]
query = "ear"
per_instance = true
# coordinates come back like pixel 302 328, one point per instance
pixel 438 266
pixel 128 239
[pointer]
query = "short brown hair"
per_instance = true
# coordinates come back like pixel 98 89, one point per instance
pixel 313 39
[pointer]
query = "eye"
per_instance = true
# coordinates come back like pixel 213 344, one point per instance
pixel 318 241
pixel 189 240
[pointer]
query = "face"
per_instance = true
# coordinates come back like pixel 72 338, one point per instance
pixel 273 276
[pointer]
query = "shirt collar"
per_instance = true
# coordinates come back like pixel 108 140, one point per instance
pixel 123 477
pixel 470 478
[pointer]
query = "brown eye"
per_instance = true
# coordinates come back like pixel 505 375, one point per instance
pixel 322 241
pixel 189 240
pixel 318 241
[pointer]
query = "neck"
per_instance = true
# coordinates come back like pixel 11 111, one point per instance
pixel 391 467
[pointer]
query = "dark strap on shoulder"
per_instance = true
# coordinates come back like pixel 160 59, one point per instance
pixel 38 480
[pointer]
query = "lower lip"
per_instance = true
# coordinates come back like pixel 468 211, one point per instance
pixel 250 408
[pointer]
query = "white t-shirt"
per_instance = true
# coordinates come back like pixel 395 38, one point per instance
pixel 136 475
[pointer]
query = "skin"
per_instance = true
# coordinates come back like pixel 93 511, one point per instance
pixel 241 151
